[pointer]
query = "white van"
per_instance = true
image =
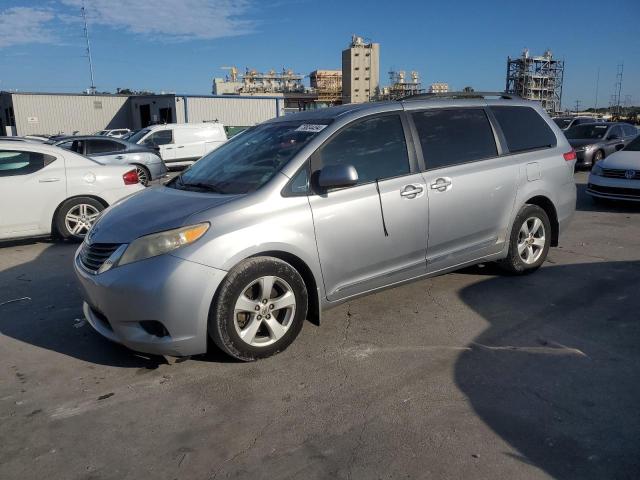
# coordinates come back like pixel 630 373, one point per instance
pixel 181 143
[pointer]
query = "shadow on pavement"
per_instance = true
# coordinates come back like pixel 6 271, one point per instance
pixel 52 316
pixel 557 372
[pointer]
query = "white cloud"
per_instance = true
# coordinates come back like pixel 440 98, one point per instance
pixel 23 25
pixel 170 19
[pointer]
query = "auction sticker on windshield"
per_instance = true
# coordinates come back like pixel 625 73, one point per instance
pixel 306 127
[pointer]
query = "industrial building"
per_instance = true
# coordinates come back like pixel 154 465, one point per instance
pixel 360 71
pixel 439 87
pixel 56 113
pixel 536 78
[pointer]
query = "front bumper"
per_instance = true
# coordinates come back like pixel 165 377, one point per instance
pixel 614 188
pixel 176 293
pixel 584 158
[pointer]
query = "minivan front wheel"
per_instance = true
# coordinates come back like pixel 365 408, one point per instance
pixel 529 242
pixel 259 309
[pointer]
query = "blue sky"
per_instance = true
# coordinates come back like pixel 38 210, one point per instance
pixel 173 45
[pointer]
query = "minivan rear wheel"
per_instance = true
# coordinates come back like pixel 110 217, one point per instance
pixel 259 309
pixel 529 241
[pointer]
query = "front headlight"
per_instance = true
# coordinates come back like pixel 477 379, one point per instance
pixel 596 170
pixel 162 242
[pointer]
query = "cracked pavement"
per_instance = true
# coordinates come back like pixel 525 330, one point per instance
pixel 468 375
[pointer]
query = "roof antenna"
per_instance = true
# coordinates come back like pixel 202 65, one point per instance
pixel 92 88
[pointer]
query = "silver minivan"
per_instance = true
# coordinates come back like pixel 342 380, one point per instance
pixel 309 210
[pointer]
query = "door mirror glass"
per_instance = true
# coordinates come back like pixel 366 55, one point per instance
pixel 336 176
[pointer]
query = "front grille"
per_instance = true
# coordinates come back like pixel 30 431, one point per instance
pixel 626 192
pixel 93 256
pixel 616 173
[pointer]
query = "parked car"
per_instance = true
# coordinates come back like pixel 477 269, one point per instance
pixel 129 134
pixel 181 144
pixel 45 189
pixel 309 210
pixel 618 176
pixel 594 141
pixel 115 151
pixel 565 123
pixel 114 132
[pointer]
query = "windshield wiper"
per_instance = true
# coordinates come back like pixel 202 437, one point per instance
pixel 204 186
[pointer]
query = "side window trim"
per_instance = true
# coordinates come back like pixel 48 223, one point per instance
pixel 315 162
pixel 498 136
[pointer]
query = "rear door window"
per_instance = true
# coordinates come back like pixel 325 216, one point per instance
pixel 14 162
pixel 376 147
pixel 102 146
pixel 451 137
pixel 524 129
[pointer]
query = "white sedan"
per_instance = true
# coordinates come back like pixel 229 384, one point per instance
pixel 47 190
pixel 617 177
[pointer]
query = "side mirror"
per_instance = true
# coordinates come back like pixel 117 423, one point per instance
pixel 336 176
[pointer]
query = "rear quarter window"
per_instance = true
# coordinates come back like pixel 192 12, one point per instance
pixel 524 129
pixel 14 162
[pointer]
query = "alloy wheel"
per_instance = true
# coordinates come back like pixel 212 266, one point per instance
pixel 264 311
pixel 80 218
pixel 531 240
pixel 143 178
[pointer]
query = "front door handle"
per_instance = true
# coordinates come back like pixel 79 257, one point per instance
pixel 48 180
pixel 411 191
pixel 119 157
pixel 441 184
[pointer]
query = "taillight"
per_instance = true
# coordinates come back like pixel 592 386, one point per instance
pixel 131 177
pixel 570 155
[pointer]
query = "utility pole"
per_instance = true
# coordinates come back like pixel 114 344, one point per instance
pixel 597 85
pixel 618 89
pixel 92 88
pixel 577 106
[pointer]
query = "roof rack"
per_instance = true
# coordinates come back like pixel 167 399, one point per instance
pixel 427 96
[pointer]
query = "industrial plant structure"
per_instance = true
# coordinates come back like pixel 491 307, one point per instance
pixel 327 84
pixel 258 83
pixel 360 71
pixel 400 86
pixel 536 78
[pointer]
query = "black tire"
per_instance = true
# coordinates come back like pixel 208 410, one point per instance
pixel 514 263
pixel 65 229
pixel 144 175
pixel 224 321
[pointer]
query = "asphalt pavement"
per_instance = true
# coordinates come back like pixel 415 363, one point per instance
pixel 471 375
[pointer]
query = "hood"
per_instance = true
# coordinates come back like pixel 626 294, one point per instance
pixel 153 210
pixel 622 160
pixel 579 142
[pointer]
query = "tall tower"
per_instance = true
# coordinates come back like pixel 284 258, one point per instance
pixel 360 71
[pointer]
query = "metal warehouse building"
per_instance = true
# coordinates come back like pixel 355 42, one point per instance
pixel 55 113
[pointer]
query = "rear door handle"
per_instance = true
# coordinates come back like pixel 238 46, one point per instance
pixel 181 146
pixel 119 157
pixel 48 180
pixel 411 191
pixel 441 184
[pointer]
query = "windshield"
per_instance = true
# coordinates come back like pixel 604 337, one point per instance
pixel 135 138
pixel 562 122
pixel 250 159
pixel 589 131
pixel 634 146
